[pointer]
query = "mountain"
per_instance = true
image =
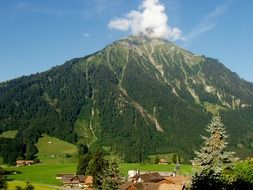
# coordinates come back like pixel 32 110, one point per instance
pixel 137 95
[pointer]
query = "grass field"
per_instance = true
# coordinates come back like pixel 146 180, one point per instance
pixel 56 151
pixel 52 153
pixel 12 185
pixel 46 173
pixel 184 169
pixel 9 134
pixel 42 173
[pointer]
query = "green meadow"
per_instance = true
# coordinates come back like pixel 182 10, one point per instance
pixel 9 134
pixel 184 169
pixel 12 185
pixel 42 173
pixel 55 151
pixel 58 156
pixel 46 173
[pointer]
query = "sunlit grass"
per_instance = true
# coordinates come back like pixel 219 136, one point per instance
pixel 9 134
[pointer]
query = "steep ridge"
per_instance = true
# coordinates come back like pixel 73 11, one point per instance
pixel 137 95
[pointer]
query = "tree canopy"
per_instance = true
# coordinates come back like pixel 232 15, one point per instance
pixel 212 154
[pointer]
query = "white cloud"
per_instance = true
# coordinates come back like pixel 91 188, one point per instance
pixel 150 20
pixel 120 24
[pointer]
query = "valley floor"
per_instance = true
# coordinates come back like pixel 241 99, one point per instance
pixel 45 174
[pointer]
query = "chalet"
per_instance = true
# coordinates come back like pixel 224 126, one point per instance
pixel 77 181
pixel 154 181
pixel 163 162
pixel 147 177
pixel 24 162
pixel 132 173
pixel 153 186
pixel 179 180
pixel 59 176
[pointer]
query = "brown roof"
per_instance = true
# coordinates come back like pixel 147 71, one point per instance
pixel 88 180
pixel 148 177
pixel 154 186
pixel 170 187
pixel 179 180
pixel 163 161
pixel 24 161
pixel 69 179
pixel 146 186
pixel 125 185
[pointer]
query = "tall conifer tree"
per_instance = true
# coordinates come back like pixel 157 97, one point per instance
pixel 112 179
pixel 212 155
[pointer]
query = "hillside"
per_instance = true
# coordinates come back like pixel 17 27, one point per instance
pixel 137 95
pixel 54 151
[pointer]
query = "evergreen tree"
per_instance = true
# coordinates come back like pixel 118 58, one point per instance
pixel 96 168
pixel 208 181
pixel 83 163
pixel 112 178
pixel 3 184
pixel 212 155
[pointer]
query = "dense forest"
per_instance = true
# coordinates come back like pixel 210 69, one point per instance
pixel 138 96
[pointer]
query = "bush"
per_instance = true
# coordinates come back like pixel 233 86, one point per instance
pixel 207 181
pixel 3 184
pixel 240 177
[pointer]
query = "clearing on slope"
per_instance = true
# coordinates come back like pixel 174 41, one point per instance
pixel 53 150
pixel 9 134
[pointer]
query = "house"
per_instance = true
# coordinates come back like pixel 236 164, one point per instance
pixel 132 173
pixel 153 186
pixel 179 180
pixel 154 181
pixel 24 162
pixel 59 176
pixel 163 162
pixel 147 177
pixel 77 181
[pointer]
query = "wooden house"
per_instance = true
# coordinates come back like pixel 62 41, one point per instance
pixel 163 162
pixel 24 162
pixel 77 181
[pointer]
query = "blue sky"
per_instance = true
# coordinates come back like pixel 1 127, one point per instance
pixel 36 35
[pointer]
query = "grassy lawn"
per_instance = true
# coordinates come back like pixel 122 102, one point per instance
pixel 184 169
pixel 213 108
pixel 52 153
pixel 9 134
pixel 42 173
pixel 56 151
pixel 46 173
pixel 12 185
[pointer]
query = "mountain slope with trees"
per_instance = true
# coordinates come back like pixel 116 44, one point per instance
pixel 137 95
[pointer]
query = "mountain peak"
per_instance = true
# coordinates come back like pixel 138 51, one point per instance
pixel 156 47
pixel 140 40
pixel 138 93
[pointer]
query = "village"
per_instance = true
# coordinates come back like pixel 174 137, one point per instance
pixel 135 180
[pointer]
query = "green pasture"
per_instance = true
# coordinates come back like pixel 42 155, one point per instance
pixel 42 173
pixel 55 151
pixel 184 169
pixel 9 134
pixel 12 185
pixel 46 173
pixel 58 156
